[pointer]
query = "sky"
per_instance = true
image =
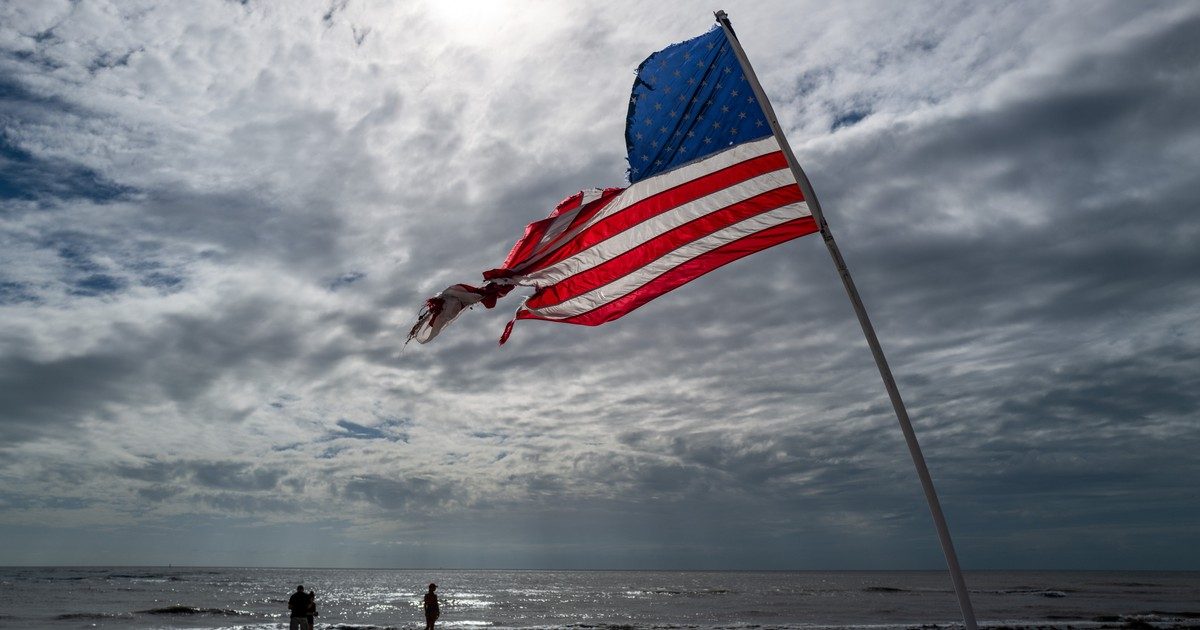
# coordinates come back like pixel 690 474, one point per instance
pixel 218 221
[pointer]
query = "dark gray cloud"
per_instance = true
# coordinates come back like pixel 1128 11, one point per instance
pixel 219 475
pixel 228 476
pixel 40 396
pixel 182 358
pixel 240 504
pixel 409 493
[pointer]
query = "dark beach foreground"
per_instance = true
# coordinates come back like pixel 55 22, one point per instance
pixel 253 598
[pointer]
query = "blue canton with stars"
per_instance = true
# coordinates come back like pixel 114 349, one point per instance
pixel 689 100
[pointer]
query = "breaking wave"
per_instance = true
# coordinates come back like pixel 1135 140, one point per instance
pixel 179 609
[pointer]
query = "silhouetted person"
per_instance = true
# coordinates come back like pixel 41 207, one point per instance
pixel 312 609
pixel 298 604
pixel 432 611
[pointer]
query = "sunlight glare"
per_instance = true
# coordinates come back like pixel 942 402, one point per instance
pixel 471 20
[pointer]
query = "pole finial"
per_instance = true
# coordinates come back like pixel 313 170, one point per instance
pixel 723 20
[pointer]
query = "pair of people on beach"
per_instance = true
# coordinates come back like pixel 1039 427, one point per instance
pixel 303 607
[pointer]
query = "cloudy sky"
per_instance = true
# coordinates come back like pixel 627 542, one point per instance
pixel 219 219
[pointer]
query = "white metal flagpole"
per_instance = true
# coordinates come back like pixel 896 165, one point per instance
pixel 910 437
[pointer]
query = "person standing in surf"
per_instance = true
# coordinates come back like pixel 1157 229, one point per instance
pixel 432 610
pixel 298 608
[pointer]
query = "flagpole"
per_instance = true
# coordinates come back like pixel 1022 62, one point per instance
pixel 910 437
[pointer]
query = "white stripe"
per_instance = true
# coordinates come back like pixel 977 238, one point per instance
pixel 625 285
pixel 656 226
pixel 666 181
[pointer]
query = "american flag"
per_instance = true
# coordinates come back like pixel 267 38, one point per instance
pixel 708 184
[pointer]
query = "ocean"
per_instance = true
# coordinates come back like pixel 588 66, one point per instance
pixel 354 599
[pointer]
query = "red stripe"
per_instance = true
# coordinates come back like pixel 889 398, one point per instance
pixel 566 205
pixel 661 202
pixel 531 241
pixel 534 232
pixel 581 217
pixel 638 257
pixel 523 247
pixel 688 271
